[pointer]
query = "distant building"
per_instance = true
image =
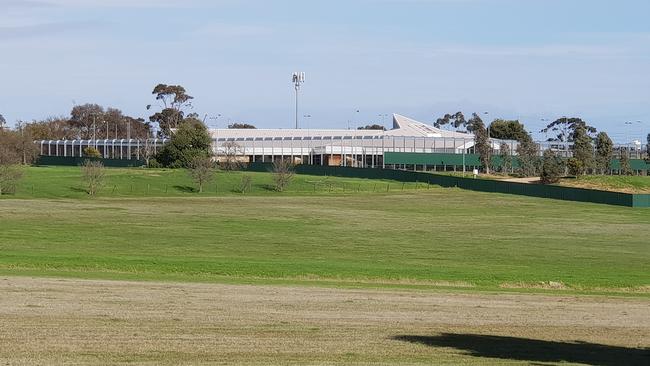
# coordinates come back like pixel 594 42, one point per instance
pixel 333 147
pixel 357 148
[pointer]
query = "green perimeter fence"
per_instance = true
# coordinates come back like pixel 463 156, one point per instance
pixel 482 185
pixel 76 161
pixel 471 160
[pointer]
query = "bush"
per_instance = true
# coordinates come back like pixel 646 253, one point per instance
pixel 190 141
pixel 529 162
pixel 91 152
pixel 202 171
pixel 282 174
pixel 154 164
pixel 552 168
pixel 232 152
pixel 10 175
pixel 93 175
pixel 246 183
pixel 575 167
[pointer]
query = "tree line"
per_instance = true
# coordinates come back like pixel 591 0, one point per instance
pixel 592 151
pixel 190 144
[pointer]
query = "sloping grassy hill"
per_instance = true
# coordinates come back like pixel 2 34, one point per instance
pixel 628 184
pixel 66 182
pixel 425 238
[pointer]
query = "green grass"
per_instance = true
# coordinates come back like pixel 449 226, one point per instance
pixel 421 238
pixel 636 184
pixel 66 182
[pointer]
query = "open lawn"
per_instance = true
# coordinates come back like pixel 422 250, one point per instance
pixel 427 238
pixel 333 271
pixel 619 183
pixel 66 182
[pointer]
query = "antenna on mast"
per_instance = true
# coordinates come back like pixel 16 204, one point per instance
pixel 298 79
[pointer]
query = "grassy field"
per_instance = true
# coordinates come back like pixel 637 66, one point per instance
pixel 426 238
pixel 333 271
pixel 66 182
pixel 628 184
pixel 80 322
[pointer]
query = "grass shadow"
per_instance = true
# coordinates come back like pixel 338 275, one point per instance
pixel 268 187
pixel 533 350
pixel 79 190
pixel 185 189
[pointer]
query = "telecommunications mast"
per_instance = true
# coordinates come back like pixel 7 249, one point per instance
pixel 298 79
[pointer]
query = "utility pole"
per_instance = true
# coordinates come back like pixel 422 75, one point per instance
pixel 298 79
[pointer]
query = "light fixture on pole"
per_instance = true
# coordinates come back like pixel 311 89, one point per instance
pixel 298 79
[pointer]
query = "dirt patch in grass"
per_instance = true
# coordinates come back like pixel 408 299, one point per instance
pixel 385 281
pixel 52 321
pixel 543 285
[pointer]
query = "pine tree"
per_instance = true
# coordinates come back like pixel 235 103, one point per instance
pixel 528 158
pixel 604 152
pixel 583 150
pixel 552 168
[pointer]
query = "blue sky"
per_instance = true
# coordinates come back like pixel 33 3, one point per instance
pixel 528 59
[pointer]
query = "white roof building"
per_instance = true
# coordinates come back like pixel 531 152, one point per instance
pixel 337 146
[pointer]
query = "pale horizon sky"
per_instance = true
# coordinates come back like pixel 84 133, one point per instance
pixel 527 59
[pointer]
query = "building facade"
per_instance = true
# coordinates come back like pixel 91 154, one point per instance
pixel 332 147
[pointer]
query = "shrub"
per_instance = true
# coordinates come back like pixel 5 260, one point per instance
pixel 10 175
pixel 154 164
pixel 529 162
pixel 202 171
pixel 93 174
pixel 552 168
pixel 232 152
pixel 91 152
pixel 575 167
pixel 246 183
pixel 283 174
pixel 191 140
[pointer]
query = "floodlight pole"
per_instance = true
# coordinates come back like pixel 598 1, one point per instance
pixel 298 79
